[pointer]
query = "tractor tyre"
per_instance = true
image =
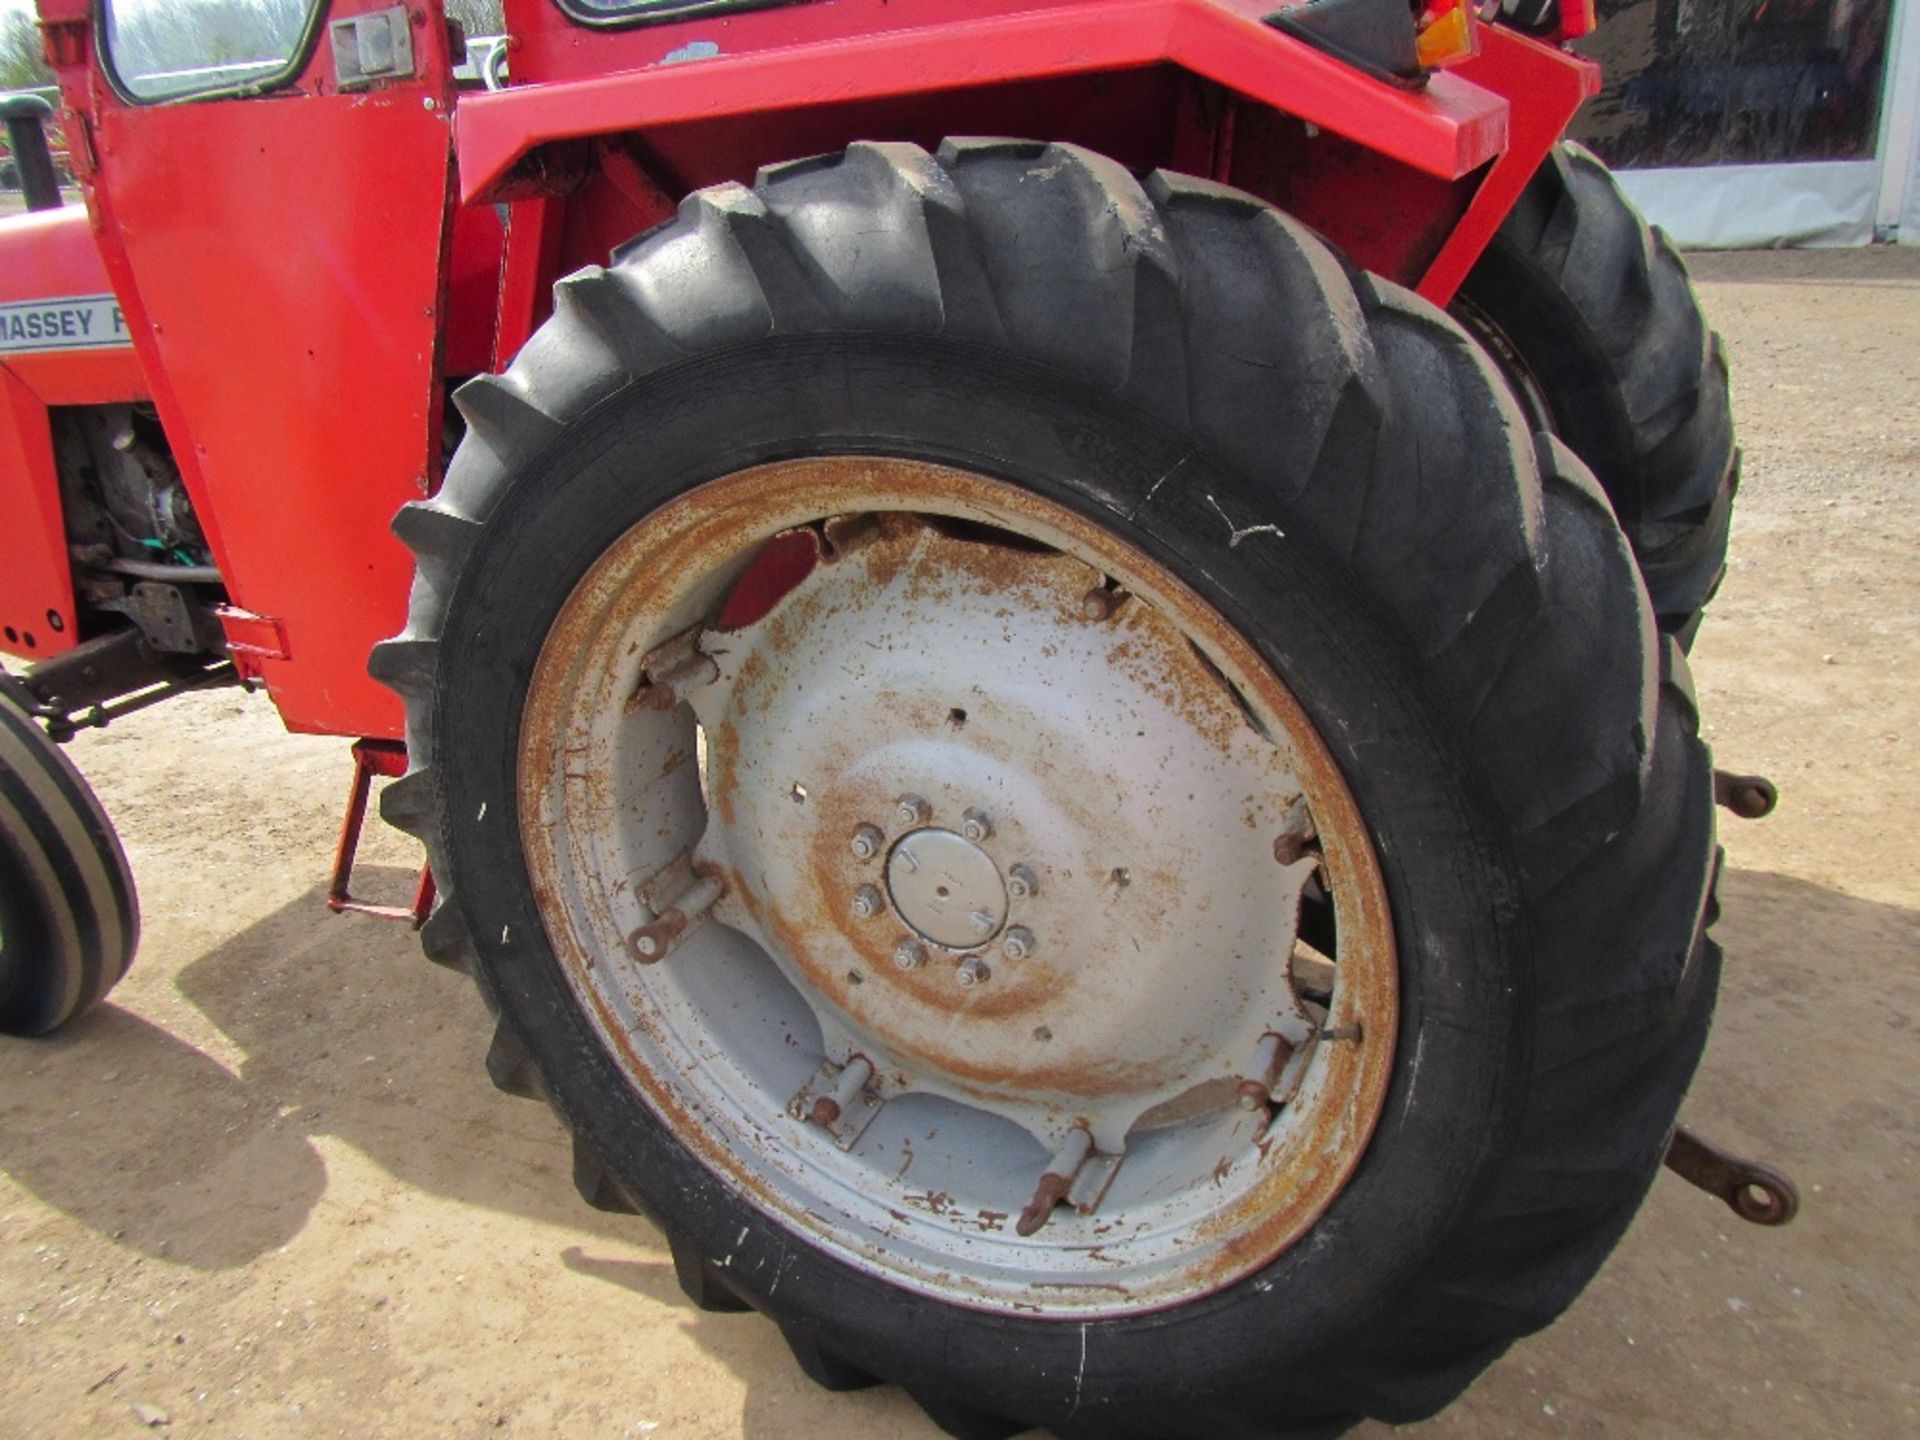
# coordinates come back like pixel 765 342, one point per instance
pixel 1054 783
pixel 1591 313
pixel 69 918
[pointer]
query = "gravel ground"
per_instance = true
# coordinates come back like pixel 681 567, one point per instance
pixel 268 1191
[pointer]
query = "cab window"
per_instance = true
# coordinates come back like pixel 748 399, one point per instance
pixel 165 49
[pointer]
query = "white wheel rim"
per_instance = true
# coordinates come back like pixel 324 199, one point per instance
pixel 940 733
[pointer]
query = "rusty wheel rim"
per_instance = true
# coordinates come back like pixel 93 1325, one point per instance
pixel 931 861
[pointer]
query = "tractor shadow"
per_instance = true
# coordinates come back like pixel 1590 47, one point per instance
pixel 333 1029
pixel 340 1030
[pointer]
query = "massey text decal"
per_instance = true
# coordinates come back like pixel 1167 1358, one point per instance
pixel 76 322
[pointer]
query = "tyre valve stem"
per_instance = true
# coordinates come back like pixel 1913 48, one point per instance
pixel 1058 1179
pixel 853 1078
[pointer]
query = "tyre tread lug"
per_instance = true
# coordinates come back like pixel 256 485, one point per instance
pixel 702 1281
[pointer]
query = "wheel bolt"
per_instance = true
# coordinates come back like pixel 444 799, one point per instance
pixel 909 955
pixel 973 971
pixel 867 841
pixel 1022 883
pixel 975 825
pixel 913 810
pixel 868 902
pixel 1017 943
pixel 1097 603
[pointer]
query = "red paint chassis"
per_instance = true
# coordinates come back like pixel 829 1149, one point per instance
pixel 303 274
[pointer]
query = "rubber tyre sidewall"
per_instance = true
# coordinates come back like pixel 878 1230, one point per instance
pixel 1465 992
pixel 1556 344
pixel 23 930
pixel 64 884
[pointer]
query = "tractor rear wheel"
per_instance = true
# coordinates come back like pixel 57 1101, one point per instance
pixel 69 918
pixel 1058 788
pixel 1591 313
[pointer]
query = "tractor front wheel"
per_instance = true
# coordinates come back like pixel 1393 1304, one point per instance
pixel 1060 790
pixel 69 918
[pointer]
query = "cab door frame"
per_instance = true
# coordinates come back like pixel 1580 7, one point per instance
pixel 281 257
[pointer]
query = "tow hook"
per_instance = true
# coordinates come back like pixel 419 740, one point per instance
pixel 1751 797
pixel 1754 1191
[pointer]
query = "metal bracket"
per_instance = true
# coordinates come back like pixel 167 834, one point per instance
pixel 850 1108
pixel 673 670
pixel 65 42
pixel 1089 1187
pixel 1376 37
pixel 258 637
pixel 679 897
pixel 371 758
pixel 1281 1063
pixel 171 621
pixel 1078 1175
pixel 1751 797
pixel 372 47
pixel 1755 1192
pixel 109 676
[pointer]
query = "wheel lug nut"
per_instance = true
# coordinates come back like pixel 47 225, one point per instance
pixel 973 971
pixel 975 825
pixel 913 810
pixel 1022 883
pixel 909 955
pixel 867 841
pixel 1017 943
pixel 868 902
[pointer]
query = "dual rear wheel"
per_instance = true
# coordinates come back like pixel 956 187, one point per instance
pixel 1591 314
pixel 1064 791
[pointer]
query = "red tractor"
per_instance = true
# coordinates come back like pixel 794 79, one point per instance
pixel 1070 758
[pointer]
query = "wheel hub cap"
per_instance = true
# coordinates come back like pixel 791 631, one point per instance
pixel 946 888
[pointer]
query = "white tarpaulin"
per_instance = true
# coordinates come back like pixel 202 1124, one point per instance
pixel 1754 207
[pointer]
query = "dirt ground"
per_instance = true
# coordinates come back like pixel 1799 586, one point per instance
pixel 267 1190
